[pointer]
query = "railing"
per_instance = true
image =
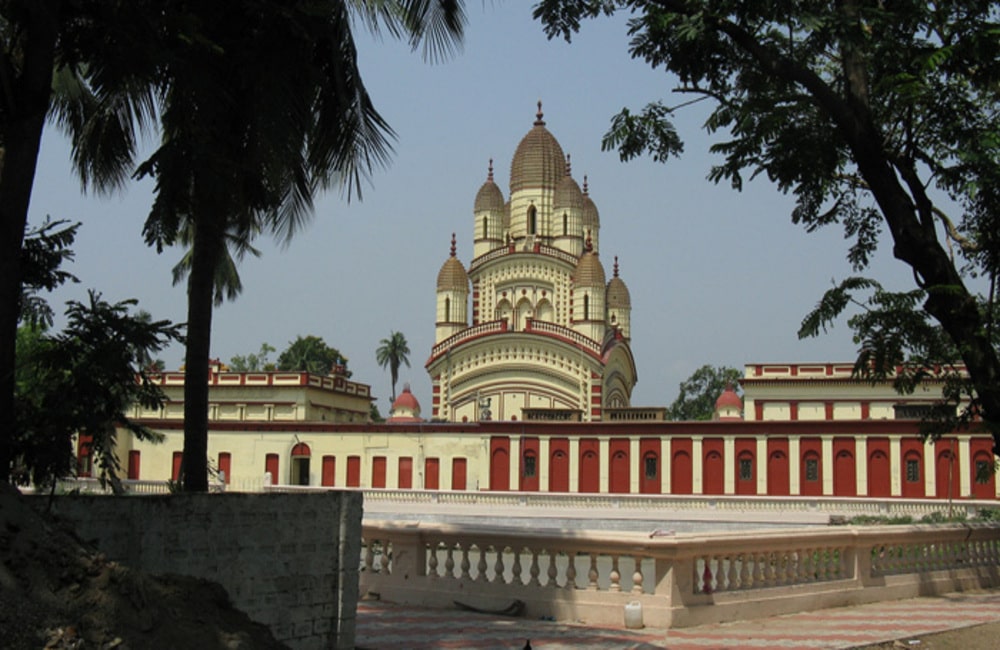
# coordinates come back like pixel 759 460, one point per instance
pixel 492 327
pixel 674 580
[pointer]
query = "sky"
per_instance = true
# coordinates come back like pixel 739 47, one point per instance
pixel 716 276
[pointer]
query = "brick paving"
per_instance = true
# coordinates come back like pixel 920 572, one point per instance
pixel 383 626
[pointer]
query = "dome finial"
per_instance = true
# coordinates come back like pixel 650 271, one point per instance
pixel 616 266
pixel 588 245
pixel 489 175
pixel 453 244
pixel 569 167
pixel 538 116
pixel 585 188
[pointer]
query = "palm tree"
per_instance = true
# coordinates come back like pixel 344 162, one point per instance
pixel 392 352
pixel 263 106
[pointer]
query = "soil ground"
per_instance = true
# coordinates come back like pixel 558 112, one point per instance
pixel 56 593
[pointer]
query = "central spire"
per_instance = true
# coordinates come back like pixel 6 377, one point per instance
pixel 538 116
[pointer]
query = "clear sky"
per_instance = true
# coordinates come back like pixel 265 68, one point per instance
pixel 716 276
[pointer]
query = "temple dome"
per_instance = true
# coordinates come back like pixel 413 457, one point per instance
pixel 538 161
pixel 618 296
pixel 568 194
pixel 452 274
pixel 489 196
pixel 591 218
pixel 406 408
pixel 729 406
pixel 589 271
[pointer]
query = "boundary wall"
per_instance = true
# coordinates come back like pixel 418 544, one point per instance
pixel 290 561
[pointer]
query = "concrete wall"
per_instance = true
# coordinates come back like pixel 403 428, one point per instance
pixel 290 561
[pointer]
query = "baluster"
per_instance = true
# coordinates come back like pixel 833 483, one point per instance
pixel 760 570
pixel 571 572
pixel 732 580
pixel 803 556
pixel 370 556
pixel 449 562
pixel 592 573
pixel 551 572
pixel 534 571
pixel 772 569
pixel 746 578
pixel 384 558
pixel 515 569
pixel 465 562
pixel 432 560
pixel 498 568
pixel 706 576
pixel 637 575
pixel 481 564
pixel 615 576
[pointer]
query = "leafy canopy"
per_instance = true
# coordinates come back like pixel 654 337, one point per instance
pixel 697 394
pixel 312 354
pixel 879 117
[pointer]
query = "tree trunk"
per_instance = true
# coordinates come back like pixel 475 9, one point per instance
pixel 25 108
pixel 207 245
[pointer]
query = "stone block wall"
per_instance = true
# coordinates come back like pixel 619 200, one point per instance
pixel 290 561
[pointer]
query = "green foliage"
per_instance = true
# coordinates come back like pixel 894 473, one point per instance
pixel 880 520
pixel 988 514
pixel 81 383
pixel 698 393
pixel 392 352
pixel 374 415
pixel 313 355
pixel 253 362
pixel 45 249
pixel 881 118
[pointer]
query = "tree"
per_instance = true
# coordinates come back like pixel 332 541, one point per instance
pixel 697 394
pixel 79 64
pixel 311 354
pixel 877 116
pixel 392 352
pixel 253 362
pixel 82 382
pixel 263 106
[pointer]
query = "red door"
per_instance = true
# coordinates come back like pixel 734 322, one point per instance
pixel 459 472
pixel 879 481
pixel 983 465
pixel 133 464
pixel 432 473
pixel 618 467
pixel 590 466
pixel 746 466
pixel 354 471
pixel 845 482
pixel 946 470
pixel 405 481
pixel 681 468
pixel 811 470
pixel 777 473
pixel 559 465
pixel 175 467
pixel 329 475
pixel 499 464
pixel 271 467
pixel 713 477
pixel 529 465
pixel 378 472
pixel 649 466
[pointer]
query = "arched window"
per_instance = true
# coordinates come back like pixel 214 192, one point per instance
pixel 447 310
pixel 565 224
pixel 486 230
pixel 586 306
pixel 532 220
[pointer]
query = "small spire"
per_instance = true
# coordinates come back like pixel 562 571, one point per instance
pixel 585 185
pixel 569 167
pixel 538 116
pixel 489 175
pixel 616 266
pixel 453 244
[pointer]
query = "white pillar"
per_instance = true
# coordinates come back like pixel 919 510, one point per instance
pixel 604 456
pixel 930 469
pixel 794 465
pixel 574 464
pixel 762 464
pixel 543 464
pixel 729 465
pixel 665 465
pixel 635 460
pixel 861 465
pixel 697 463
pixel 515 463
pixel 896 470
pixel 964 460
pixel 827 447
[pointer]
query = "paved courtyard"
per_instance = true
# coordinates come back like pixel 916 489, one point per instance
pixel 382 626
